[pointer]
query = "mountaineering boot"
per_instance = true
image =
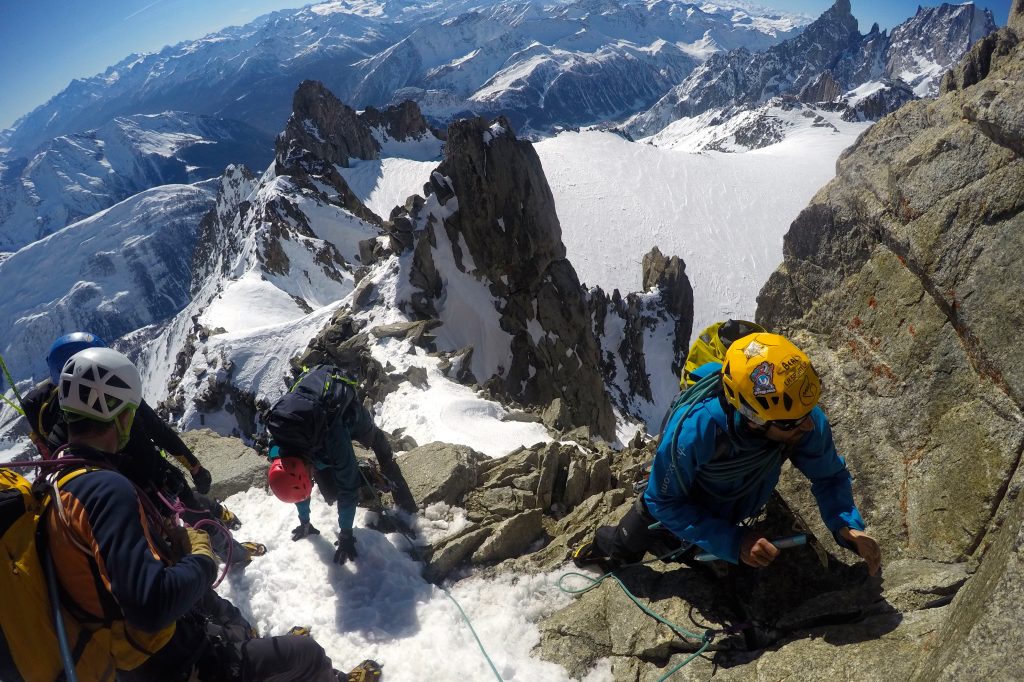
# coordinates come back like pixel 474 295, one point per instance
pixel 230 521
pixel 367 671
pixel 301 630
pixel 254 548
pixel 588 554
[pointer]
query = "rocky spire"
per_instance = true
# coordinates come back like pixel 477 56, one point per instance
pixel 321 134
pixel 489 215
pixel 321 124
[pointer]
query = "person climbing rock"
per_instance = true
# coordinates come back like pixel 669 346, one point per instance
pixel 142 586
pixel 312 428
pixel 144 464
pixel 720 457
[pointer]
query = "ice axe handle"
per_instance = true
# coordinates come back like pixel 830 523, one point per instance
pixel 781 543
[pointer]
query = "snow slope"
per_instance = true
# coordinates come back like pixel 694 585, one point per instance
pixel 380 608
pixel 723 214
pixel 382 184
pixel 617 199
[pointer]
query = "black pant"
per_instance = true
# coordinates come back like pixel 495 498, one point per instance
pixel 289 658
pixel 627 542
pixel 216 643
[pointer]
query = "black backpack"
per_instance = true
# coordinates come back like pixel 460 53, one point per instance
pixel 298 421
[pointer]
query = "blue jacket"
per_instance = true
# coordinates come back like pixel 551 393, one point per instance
pixel 703 512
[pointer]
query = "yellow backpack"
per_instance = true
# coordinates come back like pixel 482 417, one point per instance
pixel 711 344
pixel 29 648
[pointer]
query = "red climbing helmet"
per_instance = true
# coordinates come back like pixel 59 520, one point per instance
pixel 289 479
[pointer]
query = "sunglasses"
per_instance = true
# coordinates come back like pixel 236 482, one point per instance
pixel 789 424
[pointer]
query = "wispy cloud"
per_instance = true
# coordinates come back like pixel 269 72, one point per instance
pixel 140 11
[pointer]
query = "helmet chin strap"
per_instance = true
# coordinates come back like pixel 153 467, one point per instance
pixel 124 434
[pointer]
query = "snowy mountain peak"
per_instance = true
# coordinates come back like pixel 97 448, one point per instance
pixel 450 57
pixel 831 48
pixel 924 47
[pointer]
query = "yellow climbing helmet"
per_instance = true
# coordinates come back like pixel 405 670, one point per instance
pixel 767 378
pixel 712 343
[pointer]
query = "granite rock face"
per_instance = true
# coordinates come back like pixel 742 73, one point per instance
pixel 902 280
pixel 233 465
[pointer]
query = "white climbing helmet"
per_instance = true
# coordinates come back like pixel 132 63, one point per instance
pixel 99 384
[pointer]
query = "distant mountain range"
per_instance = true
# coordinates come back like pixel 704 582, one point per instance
pixel 567 63
pixel 107 154
pixel 830 62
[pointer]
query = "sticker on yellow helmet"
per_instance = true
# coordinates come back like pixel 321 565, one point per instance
pixel 762 376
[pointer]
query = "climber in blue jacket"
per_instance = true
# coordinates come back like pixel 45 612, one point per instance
pixel 719 461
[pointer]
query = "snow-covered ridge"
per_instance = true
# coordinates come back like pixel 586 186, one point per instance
pixel 72 177
pixel 122 269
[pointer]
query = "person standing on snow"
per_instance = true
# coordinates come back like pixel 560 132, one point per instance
pixel 312 428
pixel 145 465
pixel 144 588
pixel 719 461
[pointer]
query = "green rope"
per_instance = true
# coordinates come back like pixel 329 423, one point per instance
pixel 706 638
pixel 480 644
pixel 13 405
pixel 14 388
pixel 419 557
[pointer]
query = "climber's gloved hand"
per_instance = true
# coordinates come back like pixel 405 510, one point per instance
pixel 303 529
pixel 185 541
pixel 202 479
pixel 199 543
pixel 346 545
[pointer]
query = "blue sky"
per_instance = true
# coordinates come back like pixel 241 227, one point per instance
pixel 46 43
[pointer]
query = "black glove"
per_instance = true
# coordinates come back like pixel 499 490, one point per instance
pixel 346 545
pixel 202 478
pixel 303 529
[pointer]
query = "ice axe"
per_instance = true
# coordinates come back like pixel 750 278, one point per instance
pixel 781 543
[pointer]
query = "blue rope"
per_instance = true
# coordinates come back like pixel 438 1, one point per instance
pixel 419 557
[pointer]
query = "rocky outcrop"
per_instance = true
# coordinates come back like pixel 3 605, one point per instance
pixel 824 88
pixel 321 125
pixel 664 309
pixel 514 502
pixel 902 280
pixel 400 122
pixel 489 263
pixel 233 466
